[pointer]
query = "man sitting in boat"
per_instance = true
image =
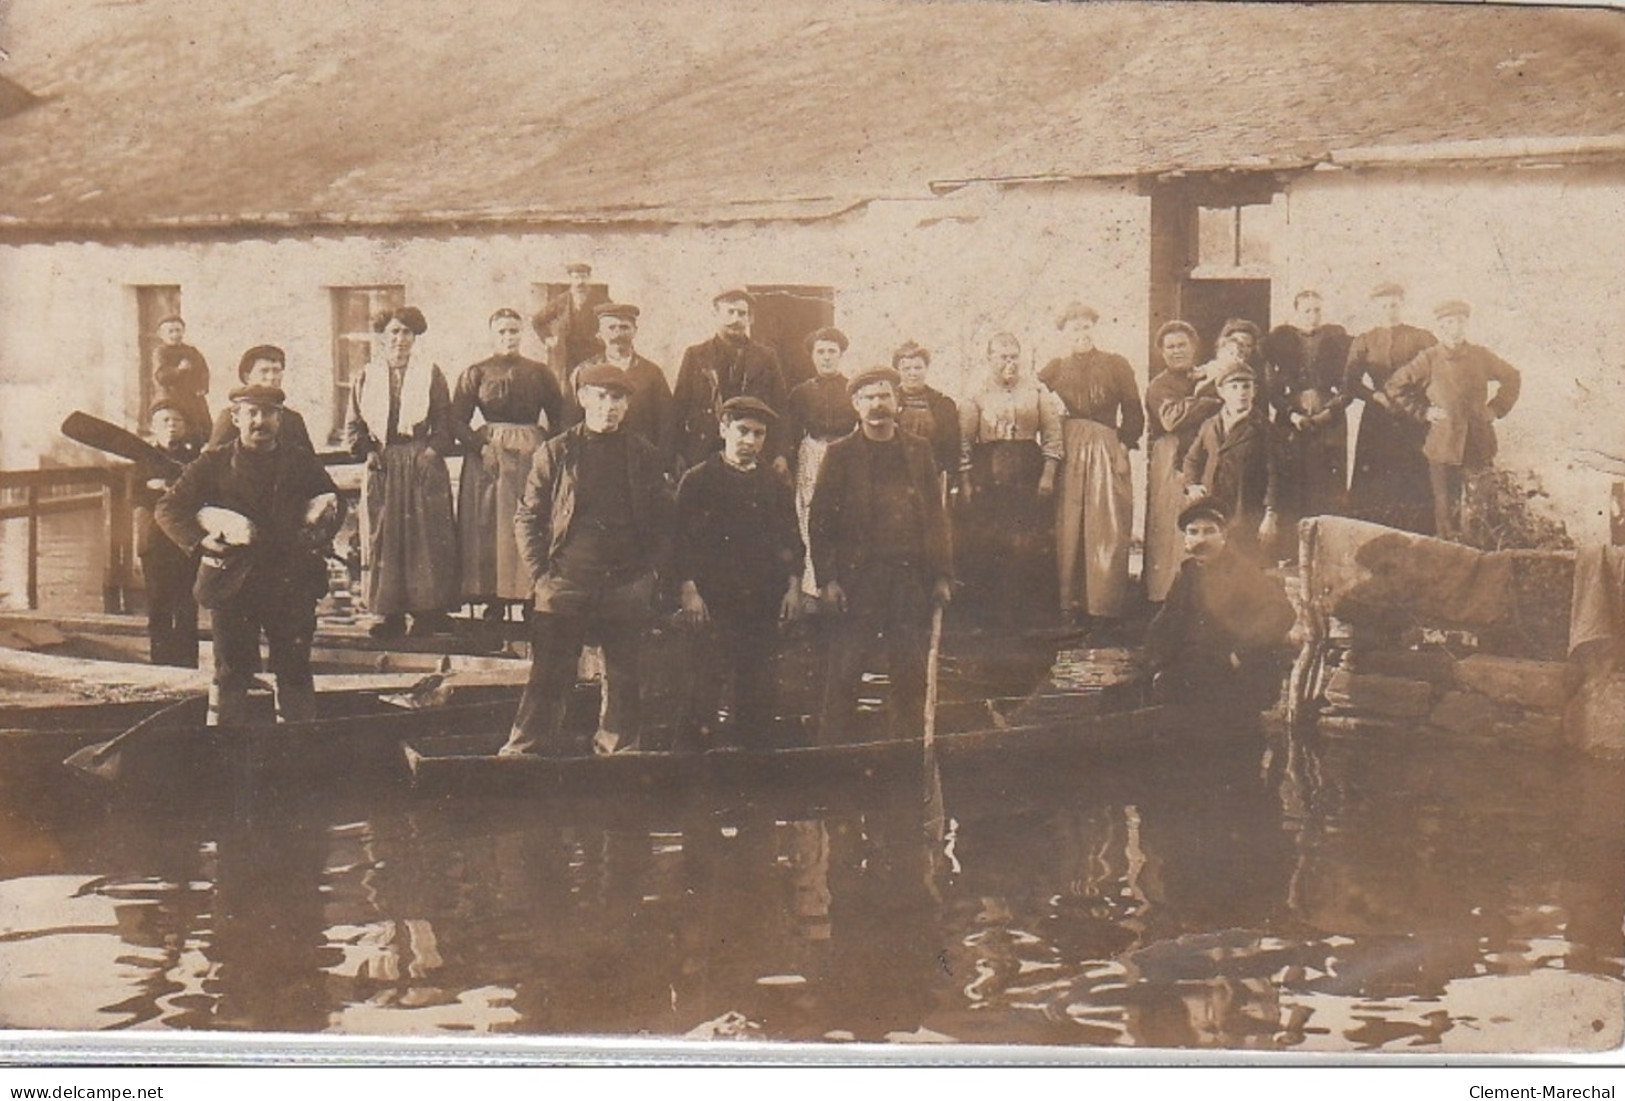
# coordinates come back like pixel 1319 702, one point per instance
pixel 594 528
pixel 264 569
pixel 1219 639
pixel 738 564
pixel 881 555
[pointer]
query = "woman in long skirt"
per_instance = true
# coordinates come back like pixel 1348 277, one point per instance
pixel 1176 404
pixel 400 423
pixel 1095 499
pixel 817 413
pixel 522 405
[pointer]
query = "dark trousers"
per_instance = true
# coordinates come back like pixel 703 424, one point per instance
pixel 566 618
pixel 738 648
pixel 289 625
pixel 171 610
pixel 1457 504
pixel 890 604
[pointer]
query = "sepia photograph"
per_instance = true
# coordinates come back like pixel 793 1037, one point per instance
pixel 888 531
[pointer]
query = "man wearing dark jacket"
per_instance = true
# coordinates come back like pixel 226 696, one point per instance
pixel 1218 639
pixel 167 570
pixel 738 563
pixel 729 365
pixel 594 529
pixel 881 555
pixel 262 569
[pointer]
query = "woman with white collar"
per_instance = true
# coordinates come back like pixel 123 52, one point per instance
pixel 400 423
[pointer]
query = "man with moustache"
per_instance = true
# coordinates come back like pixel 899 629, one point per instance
pixel 729 365
pixel 881 555
pixel 594 530
pixel 265 575
pixel 1218 639
pixel 738 566
pixel 649 410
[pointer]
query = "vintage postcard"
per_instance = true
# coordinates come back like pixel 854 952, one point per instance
pixel 893 530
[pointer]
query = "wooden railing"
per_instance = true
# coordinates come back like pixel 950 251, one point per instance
pixel 31 494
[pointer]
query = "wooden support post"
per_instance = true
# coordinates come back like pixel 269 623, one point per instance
pixel 33 548
pixel 1616 515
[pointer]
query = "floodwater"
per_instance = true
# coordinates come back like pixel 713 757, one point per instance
pixel 1358 893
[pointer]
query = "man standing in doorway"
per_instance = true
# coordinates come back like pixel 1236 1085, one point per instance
pixel 594 529
pixel 881 556
pixel 1447 387
pixel 265 569
pixel 181 375
pixel 568 325
pixel 729 365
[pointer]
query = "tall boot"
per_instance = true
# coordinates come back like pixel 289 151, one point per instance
pixel 295 703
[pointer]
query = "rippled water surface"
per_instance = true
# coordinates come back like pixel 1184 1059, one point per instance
pixel 1359 893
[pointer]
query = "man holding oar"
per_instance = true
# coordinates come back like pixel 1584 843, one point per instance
pixel 881 555
pixel 262 569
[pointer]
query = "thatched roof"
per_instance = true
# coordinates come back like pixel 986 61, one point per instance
pixel 287 113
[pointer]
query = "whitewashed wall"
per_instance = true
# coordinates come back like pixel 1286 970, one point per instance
pixel 1536 253
pixel 945 272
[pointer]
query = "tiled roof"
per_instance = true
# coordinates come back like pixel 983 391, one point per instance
pixel 289 113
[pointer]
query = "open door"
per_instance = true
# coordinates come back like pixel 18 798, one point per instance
pixel 783 317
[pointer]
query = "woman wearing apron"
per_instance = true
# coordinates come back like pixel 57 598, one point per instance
pixel 522 405
pixel 400 423
pixel 818 412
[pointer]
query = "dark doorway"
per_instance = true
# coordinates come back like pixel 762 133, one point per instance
pixel 1209 303
pixel 782 318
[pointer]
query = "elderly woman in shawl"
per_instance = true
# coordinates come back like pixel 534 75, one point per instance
pixel 400 422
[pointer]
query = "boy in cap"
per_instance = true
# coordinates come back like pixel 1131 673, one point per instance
pixel 169 571
pixel 268 576
pixel 1218 639
pixel 1235 457
pixel 1447 388
pixel 649 410
pixel 881 555
pixel 594 530
pixel 262 365
pixel 729 365
pixel 738 566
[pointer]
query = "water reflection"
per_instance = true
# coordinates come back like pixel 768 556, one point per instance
pixel 1333 894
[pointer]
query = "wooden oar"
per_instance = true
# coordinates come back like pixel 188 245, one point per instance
pixel 103 761
pixel 105 436
pixel 936 824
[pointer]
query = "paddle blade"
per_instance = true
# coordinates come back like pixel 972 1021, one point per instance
pixel 105 436
pixel 102 761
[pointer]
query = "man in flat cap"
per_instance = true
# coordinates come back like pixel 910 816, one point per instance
pixel 650 411
pixel 262 365
pixel 594 530
pixel 263 570
pixel 881 556
pixel 738 565
pixel 568 324
pixel 1236 456
pixel 729 365
pixel 1447 388
pixel 1219 639
pixel 167 570
pixel 1390 480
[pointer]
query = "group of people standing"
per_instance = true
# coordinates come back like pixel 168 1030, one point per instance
pixel 749 493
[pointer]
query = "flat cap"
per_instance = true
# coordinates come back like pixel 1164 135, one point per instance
pixel 746 406
pixel 605 376
pixel 616 309
pixel 1234 371
pixel 171 404
pixel 257 395
pixel 872 375
pixel 1204 508
pixel 1452 307
pixel 1387 290
pixel 734 294
pixel 578 267
pixel 167 318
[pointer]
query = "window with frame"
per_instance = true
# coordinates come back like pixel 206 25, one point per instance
pixel 1233 241
pixel 353 310
pixel 153 303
